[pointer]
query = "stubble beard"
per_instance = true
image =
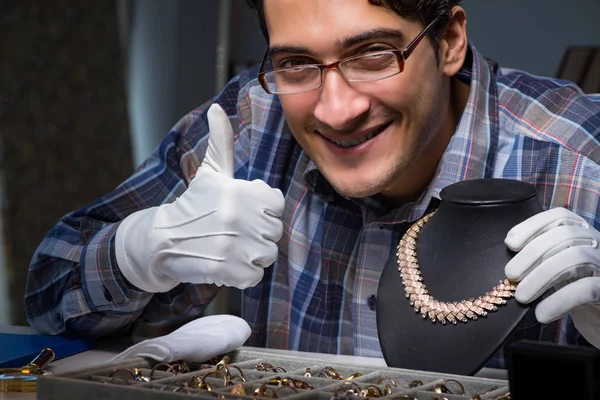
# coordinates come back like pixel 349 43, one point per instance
pixel 372 186
pixel 392 175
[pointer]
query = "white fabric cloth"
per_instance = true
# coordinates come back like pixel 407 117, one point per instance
pixel 557 248
pixel 196 341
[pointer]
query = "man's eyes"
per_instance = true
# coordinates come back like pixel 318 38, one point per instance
pixel 294 62
pixel 300 61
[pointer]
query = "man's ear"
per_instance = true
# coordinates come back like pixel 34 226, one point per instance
pixel 454 44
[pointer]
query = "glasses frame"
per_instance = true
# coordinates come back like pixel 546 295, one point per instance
pixel 401 56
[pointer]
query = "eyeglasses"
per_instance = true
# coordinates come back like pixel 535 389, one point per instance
pixel 366 67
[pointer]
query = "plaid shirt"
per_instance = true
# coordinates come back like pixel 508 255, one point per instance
pixel 318 295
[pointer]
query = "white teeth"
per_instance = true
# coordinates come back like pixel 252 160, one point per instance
pixel 356 142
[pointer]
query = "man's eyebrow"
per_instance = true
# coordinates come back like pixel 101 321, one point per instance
pixel 278 49
pixel 379 33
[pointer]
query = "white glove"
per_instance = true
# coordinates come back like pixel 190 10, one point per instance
pixel 557 248
pixel 196 341
pixel 221 230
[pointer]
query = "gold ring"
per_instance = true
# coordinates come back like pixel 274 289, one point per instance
pixel 354 375
pixel 238 389
pixel 240 375
pixel 224 360
pixel 387 378
pixel 371 391
pixel 261 391
pixel 168 369
pixel 444 387
pixel 332 373
pixel 302 385
pixel 266 367
pixel 179 367
pixel 199 382
pixel 218 375
pixel 415 383
pixel 355 390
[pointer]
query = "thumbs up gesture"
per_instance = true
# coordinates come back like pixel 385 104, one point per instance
pixel 221 230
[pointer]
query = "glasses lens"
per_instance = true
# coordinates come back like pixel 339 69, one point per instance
pixel 371 67
pixel 293 80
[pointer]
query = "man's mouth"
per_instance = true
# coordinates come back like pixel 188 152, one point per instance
pixel 360 140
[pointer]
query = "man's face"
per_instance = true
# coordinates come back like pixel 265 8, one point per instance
pixel 363 136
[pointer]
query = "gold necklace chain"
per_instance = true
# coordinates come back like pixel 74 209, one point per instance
pixel 427 305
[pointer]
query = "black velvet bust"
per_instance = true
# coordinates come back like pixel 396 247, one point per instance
pixel 462 254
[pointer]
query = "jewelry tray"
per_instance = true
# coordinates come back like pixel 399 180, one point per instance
pixel 96 384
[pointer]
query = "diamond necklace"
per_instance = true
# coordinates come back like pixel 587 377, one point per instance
pixel 427 305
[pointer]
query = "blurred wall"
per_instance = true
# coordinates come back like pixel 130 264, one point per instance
pixel 172 60
pixel 532 34
pixel 171 66
pixel 63 121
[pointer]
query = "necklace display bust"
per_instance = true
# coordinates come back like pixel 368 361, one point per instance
pixel 461 255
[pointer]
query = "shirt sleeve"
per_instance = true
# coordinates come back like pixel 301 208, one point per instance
pixel 74 284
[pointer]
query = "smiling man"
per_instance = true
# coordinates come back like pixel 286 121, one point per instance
pixel 297 181
pixel 372 119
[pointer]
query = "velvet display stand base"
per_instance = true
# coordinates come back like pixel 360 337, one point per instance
pixel 462 255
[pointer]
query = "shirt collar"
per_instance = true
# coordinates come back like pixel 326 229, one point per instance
pixel 469 153
pixel 316 182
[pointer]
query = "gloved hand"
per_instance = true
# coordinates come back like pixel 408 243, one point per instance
pixel 557 248
pixel 221 230
pixel 196 341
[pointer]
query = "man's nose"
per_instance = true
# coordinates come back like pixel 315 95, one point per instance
pixel 339 103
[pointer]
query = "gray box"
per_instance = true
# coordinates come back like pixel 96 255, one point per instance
pixel 97 383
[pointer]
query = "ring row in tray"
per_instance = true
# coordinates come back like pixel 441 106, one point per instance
pixel 258 378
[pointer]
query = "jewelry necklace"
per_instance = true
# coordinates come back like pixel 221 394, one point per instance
pixel 427 305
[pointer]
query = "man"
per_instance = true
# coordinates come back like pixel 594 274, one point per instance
pixel 294 186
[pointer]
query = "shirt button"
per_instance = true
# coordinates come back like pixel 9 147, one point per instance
pixel 371 302
pixel 107 295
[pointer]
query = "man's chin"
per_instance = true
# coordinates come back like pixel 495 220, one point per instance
pixel 354 182
pixel 356 189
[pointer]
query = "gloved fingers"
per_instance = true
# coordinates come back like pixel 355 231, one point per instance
pixel 587 321
pixel 271 228
pixel 581 292
pixel 219 154
pixel 271 200
pixel 248 280
pixel 526 231
pixel 277 206
pixel 264 225
pixel 264 254
pixel 570 264
pixel 545 246
pixel 196 341
pixel 224 321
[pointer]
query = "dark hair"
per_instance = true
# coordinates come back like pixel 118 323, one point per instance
pixel 422 10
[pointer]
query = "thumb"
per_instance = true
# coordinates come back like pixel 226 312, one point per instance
pixel 219 154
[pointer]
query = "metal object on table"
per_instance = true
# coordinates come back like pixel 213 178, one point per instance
pixel 24 379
